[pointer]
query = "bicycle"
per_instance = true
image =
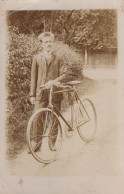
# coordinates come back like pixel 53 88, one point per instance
pixel 85 122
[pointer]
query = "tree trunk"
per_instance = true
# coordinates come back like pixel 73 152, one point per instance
pixel 85 58
pixel 52 21
pixel 65 28
pixel 44 26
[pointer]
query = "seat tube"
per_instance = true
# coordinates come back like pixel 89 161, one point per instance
pixel 72 110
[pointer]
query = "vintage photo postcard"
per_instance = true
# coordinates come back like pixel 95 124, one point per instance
pixel 62 90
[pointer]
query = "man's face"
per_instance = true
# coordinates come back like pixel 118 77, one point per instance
pixel 47 43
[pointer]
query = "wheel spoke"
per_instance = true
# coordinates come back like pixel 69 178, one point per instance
pixel 37 137
pixel 37 144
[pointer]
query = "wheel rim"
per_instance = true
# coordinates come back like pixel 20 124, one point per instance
pixel 86 120
pixel 49 132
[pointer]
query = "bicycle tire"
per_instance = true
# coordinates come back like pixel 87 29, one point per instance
pixel 86 122
pixel 44 154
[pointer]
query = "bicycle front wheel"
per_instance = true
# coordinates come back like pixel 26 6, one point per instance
pixel 86 120
pixel 44 135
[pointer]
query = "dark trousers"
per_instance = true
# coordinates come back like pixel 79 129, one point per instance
pixel 39 125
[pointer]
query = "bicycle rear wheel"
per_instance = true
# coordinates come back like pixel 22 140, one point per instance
pixel 86 120
pixel 44 129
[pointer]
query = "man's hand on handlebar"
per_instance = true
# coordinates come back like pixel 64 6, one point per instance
pixel 50 83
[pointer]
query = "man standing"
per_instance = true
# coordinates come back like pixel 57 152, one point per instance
pixel 47 68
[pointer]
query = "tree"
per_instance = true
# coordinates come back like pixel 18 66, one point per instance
pixel 97 31
pixel 87 30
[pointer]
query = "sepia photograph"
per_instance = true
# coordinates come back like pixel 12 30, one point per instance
pixel 62 92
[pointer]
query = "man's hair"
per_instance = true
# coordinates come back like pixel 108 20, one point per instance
pixel 45 34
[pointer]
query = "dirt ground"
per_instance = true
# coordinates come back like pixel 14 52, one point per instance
pixel 78 158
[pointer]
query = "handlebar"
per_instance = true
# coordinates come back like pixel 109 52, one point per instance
pixel 64 87
pixel 57 84
pixel 67 85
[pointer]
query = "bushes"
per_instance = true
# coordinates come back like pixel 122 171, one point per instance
pixel 73 59
pixel 21 49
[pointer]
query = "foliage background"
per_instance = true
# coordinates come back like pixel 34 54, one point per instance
pixel 94 29
pixel 75 32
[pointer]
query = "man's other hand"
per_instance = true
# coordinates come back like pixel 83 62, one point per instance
pixel 52 82
pixel 32 100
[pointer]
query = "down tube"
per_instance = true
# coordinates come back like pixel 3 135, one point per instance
pixel 77 98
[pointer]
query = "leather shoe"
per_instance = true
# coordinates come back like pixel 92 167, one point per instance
pixel 36 149
pixel 52 147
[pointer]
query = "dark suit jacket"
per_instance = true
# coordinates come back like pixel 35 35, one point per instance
pixel 42 72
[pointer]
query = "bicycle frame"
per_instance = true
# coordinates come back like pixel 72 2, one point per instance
pixel 51 105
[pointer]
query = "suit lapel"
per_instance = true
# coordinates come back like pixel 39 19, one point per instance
pixel 43 59
pixel 46 64
pixel 43 65
pixel 51 58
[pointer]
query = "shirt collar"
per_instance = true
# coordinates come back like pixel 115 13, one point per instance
pixel 52 53
pixel 47 55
